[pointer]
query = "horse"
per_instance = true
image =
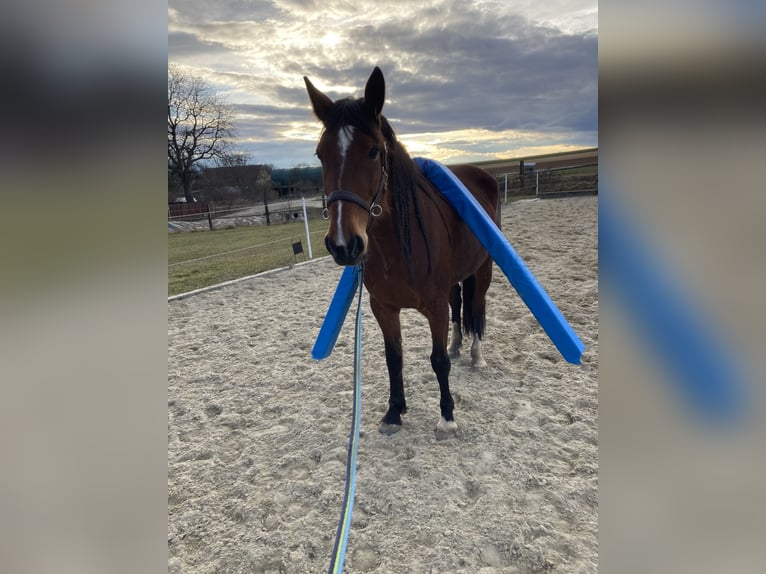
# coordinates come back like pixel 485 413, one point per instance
pixel 415 250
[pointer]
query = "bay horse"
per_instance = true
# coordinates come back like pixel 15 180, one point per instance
pixel 416 250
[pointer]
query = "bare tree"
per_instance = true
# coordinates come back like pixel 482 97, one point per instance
pixel 199 126
pixel 234 159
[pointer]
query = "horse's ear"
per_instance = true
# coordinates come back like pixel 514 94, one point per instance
pixel 320 102
pixel 375 91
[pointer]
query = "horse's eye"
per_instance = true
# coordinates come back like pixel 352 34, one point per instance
pixel 374 151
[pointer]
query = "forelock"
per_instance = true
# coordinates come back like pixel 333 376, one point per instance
pixel 352 112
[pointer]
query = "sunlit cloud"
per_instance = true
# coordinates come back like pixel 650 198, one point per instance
pixel 484 145
pixel 467 80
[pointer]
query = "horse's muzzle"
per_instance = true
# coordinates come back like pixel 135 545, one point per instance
pixel 349 253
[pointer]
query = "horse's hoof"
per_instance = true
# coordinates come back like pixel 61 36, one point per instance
pixel 388 429
pixel 479 363
pixel 446 429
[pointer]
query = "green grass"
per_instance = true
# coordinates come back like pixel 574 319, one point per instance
pixel 577 171
pixel 255 249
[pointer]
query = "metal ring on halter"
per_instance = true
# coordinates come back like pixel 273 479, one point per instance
pixel 376 209
pixel 325 213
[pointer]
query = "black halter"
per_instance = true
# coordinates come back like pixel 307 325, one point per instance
pixel 373 208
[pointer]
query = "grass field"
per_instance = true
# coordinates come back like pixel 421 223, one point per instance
pixel 202 258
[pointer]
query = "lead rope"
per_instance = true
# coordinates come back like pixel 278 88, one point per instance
pixel 344 524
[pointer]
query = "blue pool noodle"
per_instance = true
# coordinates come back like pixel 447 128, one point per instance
pixel 333 321
pixel 493 240
pixel 489 235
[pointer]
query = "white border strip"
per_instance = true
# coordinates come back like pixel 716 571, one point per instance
pixel 240 279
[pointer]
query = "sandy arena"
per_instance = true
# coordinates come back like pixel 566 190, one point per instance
pixel 258 431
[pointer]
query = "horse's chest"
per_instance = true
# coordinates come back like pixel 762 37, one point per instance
pixel 389 281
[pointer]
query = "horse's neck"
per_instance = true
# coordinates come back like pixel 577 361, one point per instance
pixel 385 238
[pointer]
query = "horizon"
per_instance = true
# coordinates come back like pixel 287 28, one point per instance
pixel 478 163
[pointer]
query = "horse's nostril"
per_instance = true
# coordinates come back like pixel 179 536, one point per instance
pixel 347 254
pixel 339 252
pixel 355 246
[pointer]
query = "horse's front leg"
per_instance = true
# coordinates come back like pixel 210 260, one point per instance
pixel 388 319
pixel 438 319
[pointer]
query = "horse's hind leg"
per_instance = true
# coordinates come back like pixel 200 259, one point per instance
pixel 456 340
pixel 478 306
pixel 388 319
pixel 438 319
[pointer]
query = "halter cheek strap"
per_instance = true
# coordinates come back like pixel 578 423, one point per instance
pixel 373 208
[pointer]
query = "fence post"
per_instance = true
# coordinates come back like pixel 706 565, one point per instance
pixel 306 222
pixel 209 217
pixel 537 183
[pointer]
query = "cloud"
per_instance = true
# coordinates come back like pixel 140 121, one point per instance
pixel 450 65
pixel 187 46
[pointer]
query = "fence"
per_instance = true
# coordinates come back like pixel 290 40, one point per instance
pixel 199 260
pixel 196 260
pixel 191 211
pixel 552 182
pixel 199 216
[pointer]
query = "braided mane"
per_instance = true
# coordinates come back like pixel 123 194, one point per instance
pixel 407 184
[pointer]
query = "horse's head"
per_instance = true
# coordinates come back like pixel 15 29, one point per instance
pixel 352 149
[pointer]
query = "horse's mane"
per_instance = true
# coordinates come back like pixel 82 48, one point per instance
pixel 405 182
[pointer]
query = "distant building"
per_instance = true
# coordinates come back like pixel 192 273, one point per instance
pixel 297 181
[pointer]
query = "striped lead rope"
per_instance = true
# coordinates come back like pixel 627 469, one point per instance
pixel 344 524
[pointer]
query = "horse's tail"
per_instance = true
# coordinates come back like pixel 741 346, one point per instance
pixel 473 312
pixel 469 292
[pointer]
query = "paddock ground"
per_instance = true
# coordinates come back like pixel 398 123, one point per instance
pixel 257 430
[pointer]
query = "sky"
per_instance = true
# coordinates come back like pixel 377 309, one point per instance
pixel 466 80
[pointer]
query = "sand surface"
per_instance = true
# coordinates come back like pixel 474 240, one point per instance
pixel 258 431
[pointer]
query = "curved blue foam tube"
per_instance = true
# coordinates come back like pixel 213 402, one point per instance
pixel 333 321
pixel 531 292
pixel 707 370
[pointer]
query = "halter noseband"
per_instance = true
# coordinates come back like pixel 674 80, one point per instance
pixel 373 208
